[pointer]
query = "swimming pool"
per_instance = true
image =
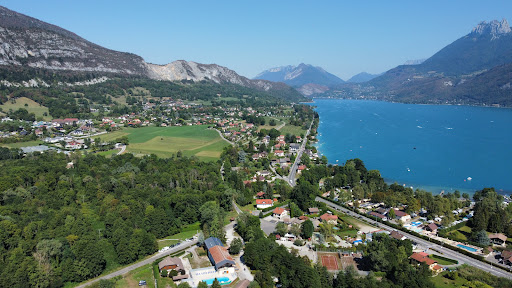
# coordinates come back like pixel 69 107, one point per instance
pixel 415 223
pixel 470 249
pixel 222 281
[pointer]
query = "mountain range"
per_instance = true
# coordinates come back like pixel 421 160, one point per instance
pixel 474 69
pixel 309 79
pixel 33 44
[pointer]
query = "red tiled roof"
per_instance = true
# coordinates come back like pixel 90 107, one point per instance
pixel 259 194
pixel 219 254
pixel 279 210
pixel 423 257
pixel 377 215
pixel 400 213
pixel 327 217
pixel 437 267
pixel 263 201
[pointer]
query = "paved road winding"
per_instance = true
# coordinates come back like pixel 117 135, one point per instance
pixel 446 252
pixel 141 263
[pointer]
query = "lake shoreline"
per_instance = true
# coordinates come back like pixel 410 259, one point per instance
pixel 395 102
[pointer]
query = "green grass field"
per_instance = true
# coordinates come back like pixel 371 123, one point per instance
pixel 165 141
pixel 132 278
pixel 293 130
pixel 32 107
pixel 22 144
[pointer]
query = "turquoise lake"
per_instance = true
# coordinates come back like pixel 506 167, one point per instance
pixel 432 147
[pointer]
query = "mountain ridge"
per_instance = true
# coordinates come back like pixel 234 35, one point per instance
pixel 473 69
pixel 31 43
pixel 297 76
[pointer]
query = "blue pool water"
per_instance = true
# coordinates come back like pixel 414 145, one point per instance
pixel 222 281
pixel 470 249
pixel 415 223
pixel 432 147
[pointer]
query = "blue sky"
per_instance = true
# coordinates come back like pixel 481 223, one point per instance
pixel 343 37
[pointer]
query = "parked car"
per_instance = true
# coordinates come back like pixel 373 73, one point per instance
pixel 142 283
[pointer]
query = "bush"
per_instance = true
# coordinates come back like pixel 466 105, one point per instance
pixel 164 273
pixel 298 242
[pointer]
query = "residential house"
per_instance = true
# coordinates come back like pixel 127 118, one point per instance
pixel 498 239
pixel 422 257
pixel 301 168
pixel 382 210
pixel 432 227
pixel 264 203
pixel 279 212
pixel 218 254
pixel 173 263
pixel 279 153
pixel 397 235
pixel 402 216
pixel 260 194
pixel 506 257
pixel 329 218
pixel 378 215
pixel 313 210
pixel 294 147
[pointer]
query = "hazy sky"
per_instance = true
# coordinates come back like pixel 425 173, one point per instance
pixel 343 37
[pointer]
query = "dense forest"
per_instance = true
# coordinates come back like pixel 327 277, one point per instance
pixel 61 225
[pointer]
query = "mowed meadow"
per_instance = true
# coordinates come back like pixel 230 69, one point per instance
pixel 199 141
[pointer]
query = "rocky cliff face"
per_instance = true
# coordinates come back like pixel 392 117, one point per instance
pixel 494 28
pixel 28 42
pixel 185 70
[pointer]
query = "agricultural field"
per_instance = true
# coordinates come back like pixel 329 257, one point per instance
pixel 22 144
pixel 165 141
pixel 293 130
pixel 31 106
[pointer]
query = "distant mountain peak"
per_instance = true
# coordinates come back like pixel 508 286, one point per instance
pixel 300 75
pixel 494 28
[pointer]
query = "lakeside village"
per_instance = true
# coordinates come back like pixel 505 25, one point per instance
pixel 235 124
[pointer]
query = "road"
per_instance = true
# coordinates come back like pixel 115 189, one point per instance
pixel 141 263
pixel 222 136
pixel 293 170
pixel 445 251
pixel 123 148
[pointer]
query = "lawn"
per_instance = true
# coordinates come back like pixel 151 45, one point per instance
pixel 22 144
pixel 293 130
pixel 442 261
pixel 442 282
pixel 187 232
pixel 196 141
pixel 132 278
pixel 349 232
pixel 32 107
pixel 462 234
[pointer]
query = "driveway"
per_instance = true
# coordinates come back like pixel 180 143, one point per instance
pixel 268 225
